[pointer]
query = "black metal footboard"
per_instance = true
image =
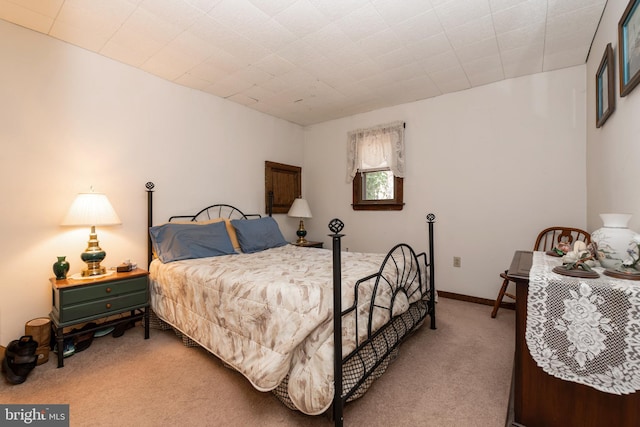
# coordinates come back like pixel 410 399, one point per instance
pixel 400 279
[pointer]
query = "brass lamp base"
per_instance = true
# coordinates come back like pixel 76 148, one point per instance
pixel 301 233
pixel 93 256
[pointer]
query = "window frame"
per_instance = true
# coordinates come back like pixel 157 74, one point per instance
pixel 360 204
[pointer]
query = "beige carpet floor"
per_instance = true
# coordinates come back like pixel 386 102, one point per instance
pixel 457 375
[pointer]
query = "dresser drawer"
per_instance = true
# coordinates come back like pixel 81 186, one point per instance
pixel 103 290
pixel 103 307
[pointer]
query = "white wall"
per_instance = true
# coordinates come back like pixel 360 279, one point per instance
pixel 614 149
pixel 70 119
pixel 496 164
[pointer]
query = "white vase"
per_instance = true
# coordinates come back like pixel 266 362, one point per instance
pixel 613 238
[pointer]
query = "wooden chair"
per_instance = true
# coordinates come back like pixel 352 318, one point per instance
pixel 546 240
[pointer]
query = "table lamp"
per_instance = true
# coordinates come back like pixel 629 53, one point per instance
pixel 300 209
pixel 92 209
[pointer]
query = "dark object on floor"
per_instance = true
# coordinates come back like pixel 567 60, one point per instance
pixel 82 341
pixel 122 327
pixel 68 348
pixel 102 332
pixel 19 359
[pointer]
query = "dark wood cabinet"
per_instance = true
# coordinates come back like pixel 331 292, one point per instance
pixel 542 400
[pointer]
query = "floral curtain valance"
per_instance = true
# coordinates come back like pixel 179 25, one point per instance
pixel 374 148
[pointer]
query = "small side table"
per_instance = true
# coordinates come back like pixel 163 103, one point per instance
pixel 309 244
pixel 76 301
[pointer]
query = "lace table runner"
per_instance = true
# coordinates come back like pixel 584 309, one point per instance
pixel 584 330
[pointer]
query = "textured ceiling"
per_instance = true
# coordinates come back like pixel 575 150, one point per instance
pixel 309 61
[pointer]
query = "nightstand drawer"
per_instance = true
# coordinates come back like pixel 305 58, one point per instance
pixel 103 290
pixel 103 307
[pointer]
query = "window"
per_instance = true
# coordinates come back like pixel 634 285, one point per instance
pixel 376 167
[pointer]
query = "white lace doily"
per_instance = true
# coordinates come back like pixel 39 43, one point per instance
pixel 584 330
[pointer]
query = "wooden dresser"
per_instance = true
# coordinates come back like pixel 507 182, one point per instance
pixel 542 400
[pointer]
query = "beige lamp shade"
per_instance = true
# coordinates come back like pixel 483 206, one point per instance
pixel 300 209
pixel 91 209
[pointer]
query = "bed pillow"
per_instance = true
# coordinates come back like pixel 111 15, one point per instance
pixel 227 222
pixel 173 242
pixel 256 235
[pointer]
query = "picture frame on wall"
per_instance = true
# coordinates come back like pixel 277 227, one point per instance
pixel 605 87
pixel 629 47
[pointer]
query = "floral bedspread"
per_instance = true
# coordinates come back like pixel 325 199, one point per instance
pixel 269 314
pixel 584 330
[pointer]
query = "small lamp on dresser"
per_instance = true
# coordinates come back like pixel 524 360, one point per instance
pixel 300 209
pixel 92 209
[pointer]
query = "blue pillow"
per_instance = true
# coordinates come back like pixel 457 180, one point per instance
pixel 255 235
pixel 173 242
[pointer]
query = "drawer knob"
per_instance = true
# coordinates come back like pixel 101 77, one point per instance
pixel 108 305
pixel 108 290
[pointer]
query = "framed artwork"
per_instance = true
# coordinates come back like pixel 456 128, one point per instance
pixel 284 183
pixel 629 47
pixel 605 88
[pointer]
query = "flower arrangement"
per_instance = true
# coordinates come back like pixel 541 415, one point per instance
pixel 582 256
pixel 634 254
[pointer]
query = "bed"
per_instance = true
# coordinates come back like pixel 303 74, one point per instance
pixel 229 282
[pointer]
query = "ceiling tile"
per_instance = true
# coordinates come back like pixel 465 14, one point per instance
pixel 274 65
pixel 203 5
pixel 179 14
pixel 483 48
pixel 238 14
pixel 393 59
pixel 418 27
pixel 499 5
pixel 269 34
pixel 379 43
pixel 35 15
pixel 440 62
pixel 253 74
pixel 362 23
pixel 301 18
pixel 558 7
pixel 471 32
pixel 458 12
pixel 334 9
pixel 430 46
pixel 362 69
pixel 272 7
pixel 582 21
pixel 327 38
pixel 90 27
pixel 393 14
pixel 524 36
pixel 522 15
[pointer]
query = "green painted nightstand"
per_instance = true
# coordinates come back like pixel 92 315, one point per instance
pixel 84 300
pixel 309 244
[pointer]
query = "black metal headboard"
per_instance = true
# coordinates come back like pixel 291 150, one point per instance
pixel 215 211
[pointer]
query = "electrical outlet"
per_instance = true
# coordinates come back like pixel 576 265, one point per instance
pixel 456 261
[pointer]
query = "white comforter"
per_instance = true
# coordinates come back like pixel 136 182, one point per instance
pixel 268 314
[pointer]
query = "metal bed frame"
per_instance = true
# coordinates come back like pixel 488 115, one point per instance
pixel 381 343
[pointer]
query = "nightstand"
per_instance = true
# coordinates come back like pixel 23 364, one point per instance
pixel 309 244
pixel 78 301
